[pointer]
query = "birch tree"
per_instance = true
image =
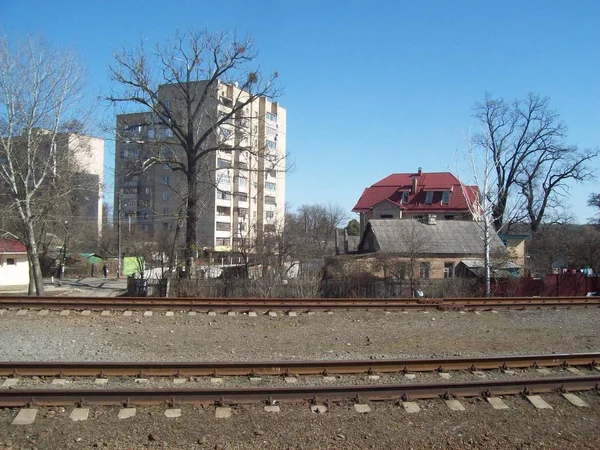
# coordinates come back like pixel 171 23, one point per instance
pixel 482 207
pixel 191 66
pixel 40 88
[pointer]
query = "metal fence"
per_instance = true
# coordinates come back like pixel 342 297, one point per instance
pixel 551 286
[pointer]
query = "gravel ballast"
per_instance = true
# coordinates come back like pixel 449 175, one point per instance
pixel 341 335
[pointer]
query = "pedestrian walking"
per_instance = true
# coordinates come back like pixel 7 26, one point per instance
pixel 105 270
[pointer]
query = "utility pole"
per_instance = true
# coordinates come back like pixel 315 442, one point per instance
pixel 119 235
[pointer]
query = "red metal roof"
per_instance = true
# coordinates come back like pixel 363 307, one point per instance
pixel 391 187
pixel 10 245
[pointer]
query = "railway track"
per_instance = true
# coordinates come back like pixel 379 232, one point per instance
pixel 310 304
pixel 223 396
pixel 280 368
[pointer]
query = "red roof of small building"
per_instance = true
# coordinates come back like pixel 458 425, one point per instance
pixel 10 245
pixel 392 187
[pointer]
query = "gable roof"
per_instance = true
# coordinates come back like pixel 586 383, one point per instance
pixel 449 237
pixel 11 245
pixel 392 187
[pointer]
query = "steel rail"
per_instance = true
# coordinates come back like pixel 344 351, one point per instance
pixel 157 303
pixel 131 397
pixel 331 367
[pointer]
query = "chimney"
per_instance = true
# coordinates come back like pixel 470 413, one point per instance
pixel 415 183
pixel 431 219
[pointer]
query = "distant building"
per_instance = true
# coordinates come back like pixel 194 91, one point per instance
pixel 86 153
pixel 417 195
pixel 442 249
pixel 14 264
pixel 244 191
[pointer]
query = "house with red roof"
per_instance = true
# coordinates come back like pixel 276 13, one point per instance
pixel 418 195
pixel 14 265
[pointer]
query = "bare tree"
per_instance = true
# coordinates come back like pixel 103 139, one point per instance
pixel 315 226
pixel 594 201
pixel 191 67
pixel 483 208
pixel 564 246
pixel 411 267
pixel 533 164
pixel 39 89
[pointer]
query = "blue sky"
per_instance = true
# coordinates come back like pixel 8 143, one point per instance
pixel 371 88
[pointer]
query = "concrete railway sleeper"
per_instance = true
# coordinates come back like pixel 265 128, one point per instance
pixel 269 395
pixel 285 368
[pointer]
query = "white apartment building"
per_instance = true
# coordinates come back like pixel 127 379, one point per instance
pixel 242 175
pixel 89 154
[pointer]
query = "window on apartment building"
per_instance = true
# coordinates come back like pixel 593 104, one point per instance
pixel 165 195
pixel 428 197
pixel 445 197
pixel 151 133
pixel 147 191
pixel 271 116
pixel 270 145
pixel 223 195
pixel 165 210
pixel 223 226
pixel 242 212
pixel 269 200
pixel 405 197
pixel 223 163
pixel 243 165
pixel 269 215
pixel 272 173
pixel 168 132
pixel 241 197
pixel 271 131
pixel 221 242
pixel 166 166
pixel 223 177
pixel 166 152
pixel 145 216
pixel 424 270
pixel 226 102
pixel 10 261
pixel 166 180
pixel 386 216
pixel 241 227
pixel 242 183
pixel 225 132
pixel 448 270
pixel 270 186
pixel 223 211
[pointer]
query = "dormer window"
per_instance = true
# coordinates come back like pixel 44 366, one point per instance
pixel 405 197
pixel 445 197
pixel 428 197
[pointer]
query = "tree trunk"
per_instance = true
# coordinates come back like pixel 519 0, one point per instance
pixel 191 230
pixel 34 261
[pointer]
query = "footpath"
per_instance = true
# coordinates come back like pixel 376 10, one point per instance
pixel 72 287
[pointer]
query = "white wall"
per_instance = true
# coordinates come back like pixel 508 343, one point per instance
pixel 14 275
